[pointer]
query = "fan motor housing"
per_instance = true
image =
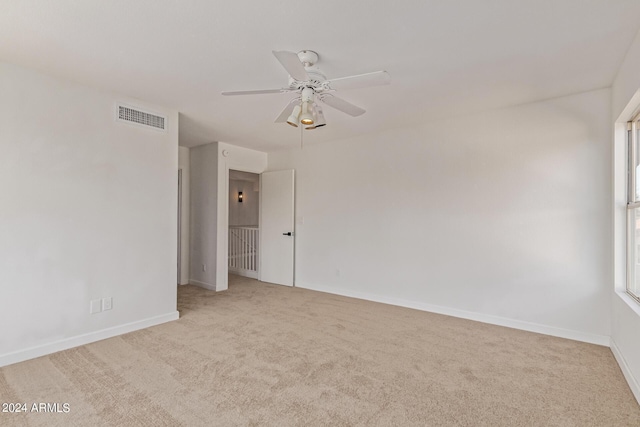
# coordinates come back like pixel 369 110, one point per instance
pixel 307 94
pixel 316 75
pixel 316 81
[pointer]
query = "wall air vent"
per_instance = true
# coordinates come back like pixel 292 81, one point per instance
pixel 134 115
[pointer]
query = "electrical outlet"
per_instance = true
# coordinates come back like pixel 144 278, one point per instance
pixel 95 306
pixel 107 304
pixel 204 267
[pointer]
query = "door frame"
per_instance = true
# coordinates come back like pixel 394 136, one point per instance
pixel 179 226
pixel 223 223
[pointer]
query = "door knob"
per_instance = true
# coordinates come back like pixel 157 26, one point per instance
pixel 287 234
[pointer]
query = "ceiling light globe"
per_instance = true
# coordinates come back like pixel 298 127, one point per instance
pixel 318 118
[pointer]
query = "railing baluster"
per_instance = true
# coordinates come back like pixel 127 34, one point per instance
pixel 243 249
pixel 251 246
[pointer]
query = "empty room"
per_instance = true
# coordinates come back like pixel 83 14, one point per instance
pixel 412 213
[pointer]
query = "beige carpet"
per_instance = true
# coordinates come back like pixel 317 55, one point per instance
pixel 263 354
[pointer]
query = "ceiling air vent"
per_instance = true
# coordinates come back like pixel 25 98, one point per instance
pixel 134 115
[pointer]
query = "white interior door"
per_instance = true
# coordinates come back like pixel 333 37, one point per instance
pixel 277 227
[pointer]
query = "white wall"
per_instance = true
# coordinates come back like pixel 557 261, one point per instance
pixel 210 166
pixel 501 216
pixel 247 212
pixel 88 211
pixel 625 311
pixel 183 163
pixel 204 215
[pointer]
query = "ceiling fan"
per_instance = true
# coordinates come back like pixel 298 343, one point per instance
pixel 313 88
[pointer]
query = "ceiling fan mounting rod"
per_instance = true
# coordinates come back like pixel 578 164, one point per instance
pixel 308 57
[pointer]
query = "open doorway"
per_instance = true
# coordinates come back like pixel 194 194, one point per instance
pixel 244 231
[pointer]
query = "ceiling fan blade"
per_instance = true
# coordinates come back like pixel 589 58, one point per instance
pixel 284 115
pixel 342 105
pixel 377 78
pixel 292 64
pixel 255 92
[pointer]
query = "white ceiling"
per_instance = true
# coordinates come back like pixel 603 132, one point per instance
pixel 235 175
pixel 445 57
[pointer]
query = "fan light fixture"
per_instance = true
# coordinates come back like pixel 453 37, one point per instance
pixel 306 118
pixel 293 118
pixel 318 119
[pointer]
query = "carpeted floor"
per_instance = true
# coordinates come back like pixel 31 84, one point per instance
pixel 263 354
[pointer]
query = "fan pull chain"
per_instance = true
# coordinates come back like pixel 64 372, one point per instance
pixel 301 135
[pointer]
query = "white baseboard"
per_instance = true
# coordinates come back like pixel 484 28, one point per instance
pixel 64 344
pixel 628 375
pixel 203 284
pixel 478 317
